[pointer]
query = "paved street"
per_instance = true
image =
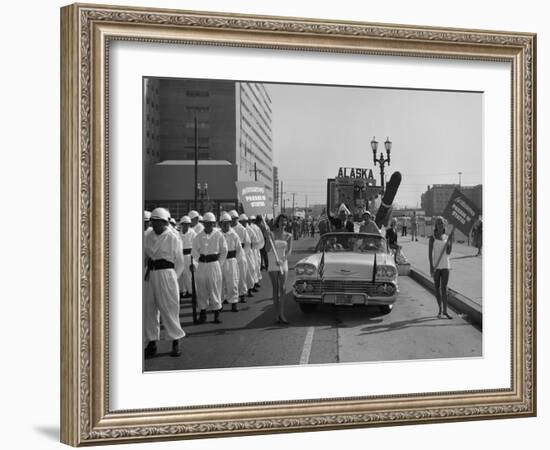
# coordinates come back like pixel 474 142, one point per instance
pixel 466 268
pixel 251 337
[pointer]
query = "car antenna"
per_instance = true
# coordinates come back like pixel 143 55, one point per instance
pixel 322 263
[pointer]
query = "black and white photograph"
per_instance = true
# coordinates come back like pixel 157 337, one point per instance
pixel 295 224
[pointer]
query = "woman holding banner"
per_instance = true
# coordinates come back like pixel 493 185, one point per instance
pixel 439 249
pixel 279 247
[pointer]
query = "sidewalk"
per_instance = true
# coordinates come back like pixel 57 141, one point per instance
pixel 466 268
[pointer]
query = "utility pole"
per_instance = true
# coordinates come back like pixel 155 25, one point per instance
pixel 196 161
pixel 459 179
pixel 306 206
pixel 196 147
pixel 282 193
pixel 293 210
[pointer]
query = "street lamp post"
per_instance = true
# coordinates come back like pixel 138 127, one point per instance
pixel 381 161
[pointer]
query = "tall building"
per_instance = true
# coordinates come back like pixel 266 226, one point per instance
pixel 151 123
pixel 254 134
pixel 227 123
pixel 435 199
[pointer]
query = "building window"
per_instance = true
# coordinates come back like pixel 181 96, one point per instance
pixel 200 125
pixel 203 141
pixel 196 108
pixel 195 93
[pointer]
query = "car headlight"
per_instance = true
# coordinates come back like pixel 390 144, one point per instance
pixel 303 286
pixel 386 272
pixel 305 269
pixel 386 289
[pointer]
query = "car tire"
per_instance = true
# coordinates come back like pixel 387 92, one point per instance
pixel 386 309
pixel 308 308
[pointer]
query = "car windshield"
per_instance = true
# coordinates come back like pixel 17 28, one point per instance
pixel 357 243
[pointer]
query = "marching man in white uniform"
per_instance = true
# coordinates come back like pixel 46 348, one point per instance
pixel 230 269
pixel 187 234
pixel 195 224
pixel 146 219
pixel 245 277
pixel 250 256
pixel 164 259
pixel 210 250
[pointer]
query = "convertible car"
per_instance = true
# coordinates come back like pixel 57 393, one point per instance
pixel 347 269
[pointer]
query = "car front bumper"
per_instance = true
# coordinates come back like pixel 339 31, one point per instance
pixel 345 292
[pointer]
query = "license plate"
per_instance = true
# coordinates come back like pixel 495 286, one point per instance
pixel 344 300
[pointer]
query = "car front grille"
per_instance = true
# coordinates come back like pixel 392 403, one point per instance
pixel 348 286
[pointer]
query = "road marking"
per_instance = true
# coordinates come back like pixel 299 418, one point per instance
pixel 304 359
pixel 339 344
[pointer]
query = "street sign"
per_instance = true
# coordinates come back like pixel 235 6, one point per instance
pixel 461 212
pixel 253 197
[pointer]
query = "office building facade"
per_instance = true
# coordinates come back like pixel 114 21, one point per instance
pixel 225 124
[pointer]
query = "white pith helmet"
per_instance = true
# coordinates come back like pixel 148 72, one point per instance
pixel 209 217
pixel 160 214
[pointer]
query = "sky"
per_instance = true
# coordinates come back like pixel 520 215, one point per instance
pixel 317 129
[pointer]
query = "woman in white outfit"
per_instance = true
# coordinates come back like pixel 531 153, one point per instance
pixel 440 247
pixel 279 248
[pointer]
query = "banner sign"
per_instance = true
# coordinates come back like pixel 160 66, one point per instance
pixel 253 197
pixel 461 212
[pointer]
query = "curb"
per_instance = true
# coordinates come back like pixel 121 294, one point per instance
pixel 457 301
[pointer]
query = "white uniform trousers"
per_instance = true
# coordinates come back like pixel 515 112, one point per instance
pixel 162 300
pixel 251 260
pixel 258 265
pixel 245 280
pixel 185 281
pixel 208 280
pixel 231 280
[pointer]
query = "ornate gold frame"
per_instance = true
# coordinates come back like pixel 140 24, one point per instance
pixel 86 31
